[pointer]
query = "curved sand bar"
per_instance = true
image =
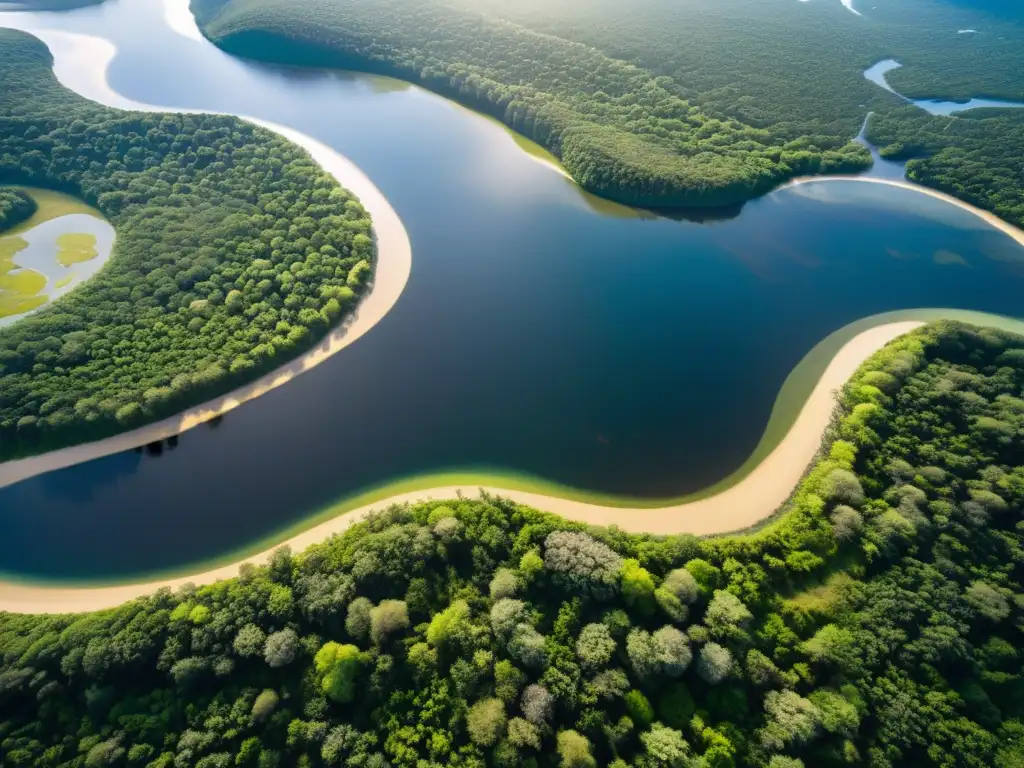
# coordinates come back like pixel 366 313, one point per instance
pixel 755 497
pixel 80 64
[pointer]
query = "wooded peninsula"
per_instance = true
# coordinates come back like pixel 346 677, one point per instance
pixel 664 104
pixel 235 252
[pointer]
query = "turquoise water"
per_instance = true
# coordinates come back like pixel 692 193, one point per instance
pixel 540 333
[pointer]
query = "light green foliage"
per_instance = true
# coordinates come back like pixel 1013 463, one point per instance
pixel 531 564
pixel 211 212
pixel 665 745
pixel 673 608
pixel 988 601
pixel 713 663
pixel 485 722
pixel 506 615
pixel 264 705
pixel 639 708
pixel 837 714
pixel 579 562
pixel 527 646
pixel 448 625
pixel 790 720
pixel 337 666
pixel 504 584
pixel 595 646
pixel 637 586
pixel 249 641
pixel 508 680
pixel 523 734
pixel 388 619
pixel 574 750
pixel 726 615
pixel 706 576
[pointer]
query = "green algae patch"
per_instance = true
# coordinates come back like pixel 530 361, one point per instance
pixel 75 248
pixel 20 289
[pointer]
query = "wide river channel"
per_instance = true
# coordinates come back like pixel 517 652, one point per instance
pixel 542 333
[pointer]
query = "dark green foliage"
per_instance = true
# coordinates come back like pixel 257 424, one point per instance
pixel 899 645
pixel 620 130
pixel 15 207
pixel 667 103
pixel 233 254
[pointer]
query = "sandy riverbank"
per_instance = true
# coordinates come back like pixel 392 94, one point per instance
pixel 752 499
pixel 80 64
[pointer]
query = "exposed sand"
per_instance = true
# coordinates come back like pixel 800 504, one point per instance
pixel 752 499
pixel 80 63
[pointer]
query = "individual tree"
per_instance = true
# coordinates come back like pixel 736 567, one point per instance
pixel 527 646
pixel 714 663
pixel 582 564
pixel 506 615
pixel 595 646
pixel 666 746
pixel 357 619
pixel 574 750
pixel 280 648
pixel 337 667
pixel 249 641
pixel 264 705
pixel 790 720
pixel 537 704
pixel 523 734
pixel 637 585
pixel 639 708
pixel 387 619
pixel 504 584
pixel 450 625
pixel 486 721
pixel 726 615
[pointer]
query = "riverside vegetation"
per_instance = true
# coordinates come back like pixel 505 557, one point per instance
pixel 668 104
pixel 16 207
pixel 234 253
pixel 876 621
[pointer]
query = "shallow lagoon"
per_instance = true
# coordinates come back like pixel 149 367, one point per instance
pixel 60 247
pixel 542 333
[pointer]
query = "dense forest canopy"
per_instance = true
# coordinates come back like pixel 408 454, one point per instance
pixel 234 252
pixel 876 622
pixel 15 207
pixel 681 102
pixel 618 128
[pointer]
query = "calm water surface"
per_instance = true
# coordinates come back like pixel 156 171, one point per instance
pixel 539 333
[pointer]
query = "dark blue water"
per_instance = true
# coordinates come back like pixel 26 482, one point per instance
pixel 638 356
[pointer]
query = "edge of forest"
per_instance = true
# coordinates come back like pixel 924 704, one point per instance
pixel 80 64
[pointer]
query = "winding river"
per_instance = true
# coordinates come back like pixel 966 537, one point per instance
pixel 545 340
